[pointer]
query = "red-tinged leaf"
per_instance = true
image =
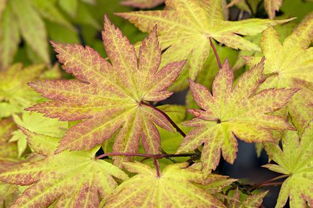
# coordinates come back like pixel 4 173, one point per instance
pixel 231 112
pixel 68 179
pixel 173 188
pixel 111 97
pixel 185 28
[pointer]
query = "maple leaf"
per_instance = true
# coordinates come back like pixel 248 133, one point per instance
pixel 68 179
pixel 232 112
pixel 15 95
pixel 143 4
pixel 110 97
pixel 186 26
pixel 173 188
pixel 290 60
pixel 294 159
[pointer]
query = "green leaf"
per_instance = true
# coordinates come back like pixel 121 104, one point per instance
pixel 231 112
pixel 9 37
pixel 70 179
pixel 69 6
pixel 173 188
pixel 294 159
pixel 48 10
pixel 32 27
pixel 186 26
pixel 290 60
pixel 15 94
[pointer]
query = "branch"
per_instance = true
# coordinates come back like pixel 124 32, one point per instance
pixel 218 60
pixel 179 130
pixel 154 156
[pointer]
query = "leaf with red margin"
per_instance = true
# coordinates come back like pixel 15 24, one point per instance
pixel 109 97
pixel 186 26
pixel 68 179
pixel 173 188
pixel 233 111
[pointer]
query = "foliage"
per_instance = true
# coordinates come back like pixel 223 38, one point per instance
pixel 106 133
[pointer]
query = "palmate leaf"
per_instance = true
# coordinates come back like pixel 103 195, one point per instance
pixel 67 179
pixel 290 60
pixel 294 159
pixel 187 25
pixel 172 189
pixel 142 3
pixel 232 112
pixel 15 95
pixel 110 97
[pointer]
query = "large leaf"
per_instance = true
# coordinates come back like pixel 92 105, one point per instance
pixel 110 97
pixel 172 189
pixel 68 179
pixel 187 25
pixel 294 159
pixel 231 112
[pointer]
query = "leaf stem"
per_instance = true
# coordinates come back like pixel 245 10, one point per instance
pixel 269 182
pixel 154 156
pixel 218 60
pixel 157 166
pixel 179 130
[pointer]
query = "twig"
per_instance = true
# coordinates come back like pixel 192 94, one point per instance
pixel 154 156
pixel 218 60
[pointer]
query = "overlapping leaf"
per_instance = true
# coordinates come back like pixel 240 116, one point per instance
pixel 15 95
pixel 173 188
pixel 294 159
pixel 232 112
pixel 68 179
pixel 110 97
pixel 142 3
pixel 187 25
pixel 290 60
